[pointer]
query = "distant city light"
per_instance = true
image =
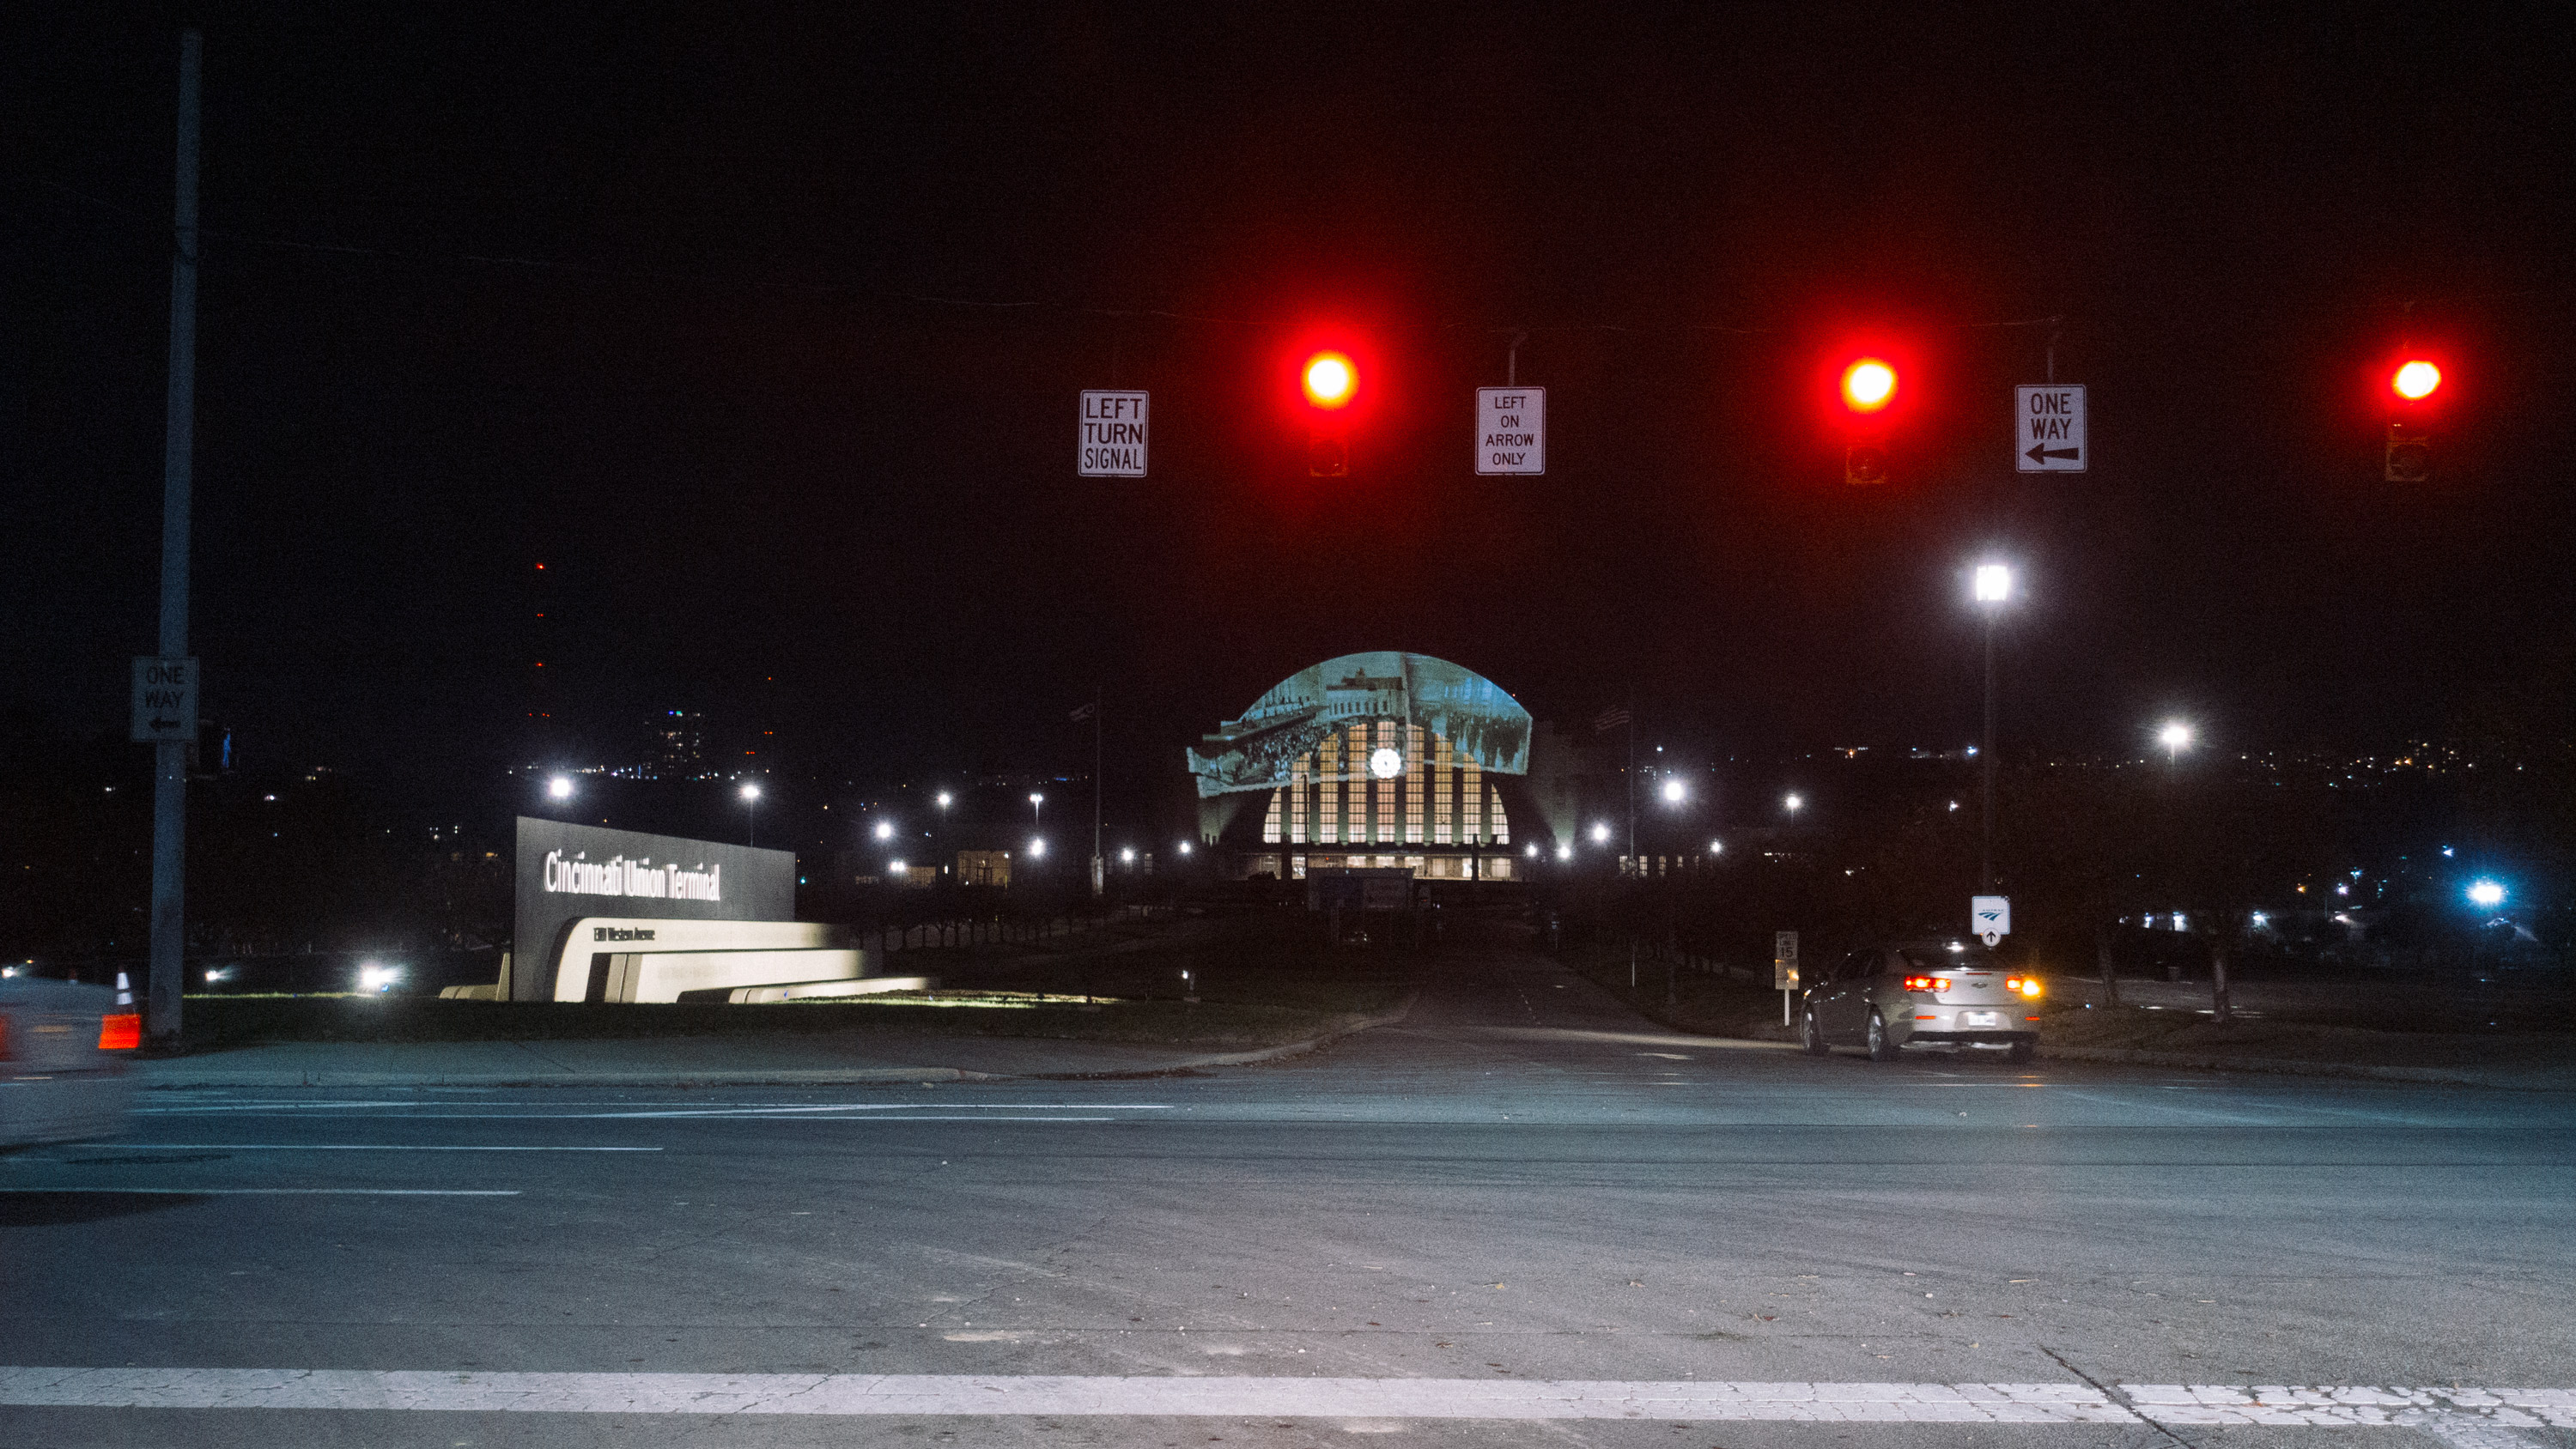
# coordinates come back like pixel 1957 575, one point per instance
pixel 1954 804
pixel 1185 847
pixel 2181 921
pixel 1675 792
pixel 895 868
pixel 1532 852
pixel 2262 919
pixel 1565 852
pixel 558 788
pixel 2486 893
pixel 1717 847
pixel 1994 583
pixel 885 830
pixel 1793 802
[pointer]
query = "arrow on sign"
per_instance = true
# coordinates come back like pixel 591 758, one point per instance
pixel 2038 453
pixel 164 726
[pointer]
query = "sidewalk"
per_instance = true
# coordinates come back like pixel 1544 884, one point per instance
pixel 851 1058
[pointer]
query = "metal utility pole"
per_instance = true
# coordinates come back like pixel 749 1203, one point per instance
pixel 1099 867
pixel 170 757
pixel 1986 856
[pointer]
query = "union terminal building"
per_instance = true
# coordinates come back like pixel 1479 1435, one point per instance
pixel 1378 759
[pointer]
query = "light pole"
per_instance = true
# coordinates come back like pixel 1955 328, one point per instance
pixel 1993 590
pixel 751 812
pixel 942 847
pixel 1036 800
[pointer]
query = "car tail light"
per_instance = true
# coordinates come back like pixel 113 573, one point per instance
pixel 122 1032
pixel 1927 983
pixel 2026 985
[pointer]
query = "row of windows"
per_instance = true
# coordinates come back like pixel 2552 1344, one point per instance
pixel 1430 867
pixel 1335 797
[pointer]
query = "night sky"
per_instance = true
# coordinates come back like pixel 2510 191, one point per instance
pixel 762 332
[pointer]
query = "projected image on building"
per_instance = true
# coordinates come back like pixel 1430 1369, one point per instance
pixel 1378 759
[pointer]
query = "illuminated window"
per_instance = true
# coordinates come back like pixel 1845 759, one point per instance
pixel 1471 792
pixel 1444 824
pixel 1413 784
pixel 1499 868
pixel 1381 823
pixel 1502 825
pixel 1298 784
pixel 1270 821
pixel 1328 763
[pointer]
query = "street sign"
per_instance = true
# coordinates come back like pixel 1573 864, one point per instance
pixel 1113 435
pixel 1990 917
pixel 2048 429
pixel 165 701
pixel 1511 431
pixel 1784 960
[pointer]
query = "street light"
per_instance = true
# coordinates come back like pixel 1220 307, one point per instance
pixel 2176 738
pixel 885 830
pixel 1601 834
pixel 1675 792
pixel 1037 848
pixel 559 788
pixel 1993 589
pixel 751 812
pixel 1035 800
pixel 2487 893
pixel 1791 804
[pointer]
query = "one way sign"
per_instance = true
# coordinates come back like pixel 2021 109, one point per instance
pixel 165 701
pixel 2048 429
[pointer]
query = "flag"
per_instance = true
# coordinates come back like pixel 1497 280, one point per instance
pixel 1086 712
pixel 1609 719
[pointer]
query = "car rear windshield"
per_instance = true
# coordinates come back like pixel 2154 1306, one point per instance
pixel 1936 960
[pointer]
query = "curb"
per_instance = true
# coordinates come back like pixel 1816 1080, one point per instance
pixel 1402 1010
pixel 754 1077
pixel 2290 1067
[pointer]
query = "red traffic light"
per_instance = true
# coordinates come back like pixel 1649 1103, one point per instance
pixel 1330 379
pixel 2415 379
pixel 1868 385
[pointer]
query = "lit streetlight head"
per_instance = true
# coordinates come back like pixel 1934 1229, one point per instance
pixel 1717 847
pixel 1185 847
pixel 2486 893
pixel 1793 802
pixel 944 799
pixel 1675 792
pixel 1127 855
pixel 1601 834
pixel 1037 847
pixel 750 791
pixel 1036 799
pixel 1994 583
pixel 885 830
pixel 559 788
pixel 2175 736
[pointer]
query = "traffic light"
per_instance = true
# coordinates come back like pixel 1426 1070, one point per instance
pixel 1867 388
pixel 1330 381
pixel 2413 387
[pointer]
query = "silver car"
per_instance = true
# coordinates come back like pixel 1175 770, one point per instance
pixel 1919 993
pixel 63 1050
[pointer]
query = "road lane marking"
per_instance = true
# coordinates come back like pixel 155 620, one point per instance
pixel 987 1396
pixel 337 1147
pixel 271 1191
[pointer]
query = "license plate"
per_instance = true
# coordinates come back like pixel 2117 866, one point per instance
pixel 1981 1018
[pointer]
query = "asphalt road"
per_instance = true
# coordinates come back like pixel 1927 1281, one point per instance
pixel 1522 1184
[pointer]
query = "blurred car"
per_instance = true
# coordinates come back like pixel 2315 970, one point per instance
pixel 63 1053
pixel 1925 992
